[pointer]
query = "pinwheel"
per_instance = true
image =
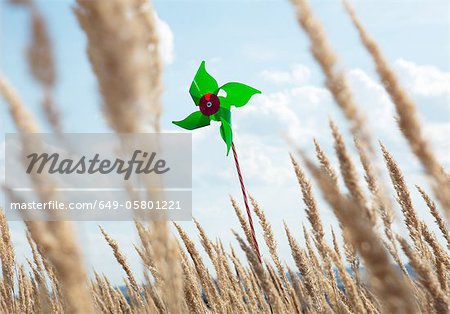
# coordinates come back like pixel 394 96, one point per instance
pixel 213 106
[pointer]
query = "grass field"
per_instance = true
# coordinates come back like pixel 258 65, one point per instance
pixel 375 270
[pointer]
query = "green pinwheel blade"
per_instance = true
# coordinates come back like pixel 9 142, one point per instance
pixel 226 133
pixel 202 84
pixel 222 113
pixel 193 121
pixel 238 94
pixel 224 102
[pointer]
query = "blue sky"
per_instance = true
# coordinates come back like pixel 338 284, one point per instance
pixel 259 43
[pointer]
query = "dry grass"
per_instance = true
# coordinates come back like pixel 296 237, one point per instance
pixel 336 80
pixel 408 120
pixel 41 63
pixel 118 31
pixel 42 67
pixel 177 279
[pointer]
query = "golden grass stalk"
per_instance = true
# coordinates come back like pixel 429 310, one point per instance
pixel 210 290
pixel 39 52
pixel 312 211
pixel 273 298
pixel 146 252
pixel 335 243
pixel 389 287
pixel 206 242
pixel 408 120
pixel 191 290
pixel 254 297
pixel 231 277
pixel 153 296
pixel 173 281
pixel 7 258
pixel 42 67
pixel 226 283
pixel 243 221
pixel 309 279
pixel 41 61
pixel 350 287
pixel 121 259
pixel 336 81
pixel 311 253
pixel 35 253
pixel 269 239
pixel 316 223
pixel 443 227
pixel 55 237
pixel 427 278
pixel 255 286
pixel 441 259
pixel 350 252
pixel 124 54
pixel 23 119
pixel 298 289
pixel 382 202
pixel 329 280
pixel 124 306
pixel 349 173
pixel 161 255
pixel 325 162
pixel 403 198
pixel 42 297
pixel 20 2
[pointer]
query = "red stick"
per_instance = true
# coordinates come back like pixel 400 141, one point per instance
pixel 244 194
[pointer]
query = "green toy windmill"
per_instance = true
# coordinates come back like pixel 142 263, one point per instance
pixel 204 91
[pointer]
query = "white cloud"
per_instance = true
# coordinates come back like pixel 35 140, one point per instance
pixel 310 95
pixel 295 112
pixel 428 82
pixel 166 46
pixel 438 133
pixel 263 164
pixel 298 74
pixel 301 112
pixel 375 104
pixel 424 80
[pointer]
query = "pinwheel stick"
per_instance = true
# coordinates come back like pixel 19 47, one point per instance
pixel 244 194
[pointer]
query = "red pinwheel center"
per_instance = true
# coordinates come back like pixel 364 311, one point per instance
pixel 209 104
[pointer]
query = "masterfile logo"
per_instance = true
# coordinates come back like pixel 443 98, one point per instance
pixel 140 162
pixel 98 176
